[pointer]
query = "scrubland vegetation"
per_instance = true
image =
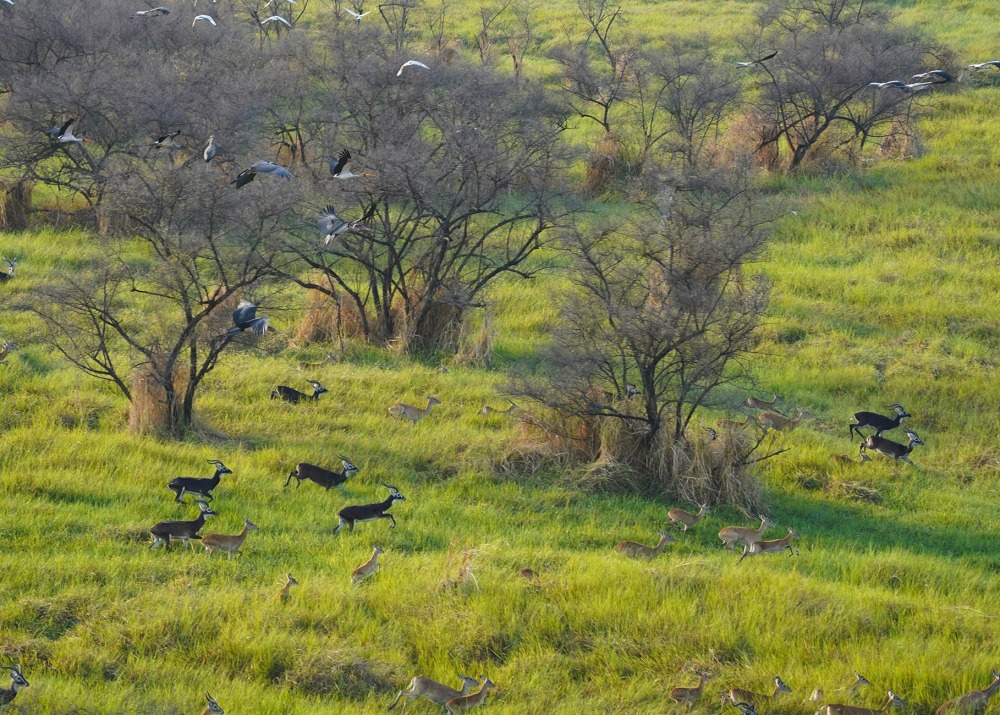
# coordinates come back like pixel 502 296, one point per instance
pixel 882 281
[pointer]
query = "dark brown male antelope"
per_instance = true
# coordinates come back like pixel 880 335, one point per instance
pixel 289 394
pixel 350 515
pixel 880 423
pixel 17 682
pixel 888 448
pixel 198 486
pixel 164 531
pixel 324 477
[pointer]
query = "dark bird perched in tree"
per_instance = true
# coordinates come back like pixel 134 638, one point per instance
pixel 245 318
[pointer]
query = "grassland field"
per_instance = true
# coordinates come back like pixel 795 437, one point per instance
pixel 886 289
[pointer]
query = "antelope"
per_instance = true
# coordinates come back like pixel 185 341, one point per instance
pixel 229 544
pixel 738 695
pixel 17 682
pixel 847 459
pixel 212 708
pixel 892 449
pixel 323 477
pixel 772 546
pixel 5 349
pixel 733 424
pixel 745 708
pixel 411 413
pixel 367 568
pixel 421 687
pixel 761 404
pixel 688 696
pixel 285 593
pixel 292 395
pixel 164 531
pixel 487 410
pixel 880 423
pixel 743 534
pixel 893 701
pixel 780 422
pixel 370 512
pixel 330 359
pixel 467 702
pixel 687 519
pixel 6 276
pixel 641 551
pixel 973 702
pixel 859 680
pixel 198 486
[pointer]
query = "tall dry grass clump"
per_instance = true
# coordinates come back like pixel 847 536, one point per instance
pixel 149 412
pixel 322 320
pixel 753 135
pixel 475 347
pixel 15 205
pixel 900 142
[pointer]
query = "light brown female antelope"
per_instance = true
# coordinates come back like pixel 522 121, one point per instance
pixel 859 680
pixel 743 534
pixel 367 568
pixel 229 544
pixel 894 701
pixel 732 424
pixel 421 687
pixel 285 593
pixel 780 422
pixel 467 702
pixel 641 551
pixel 411 413
pixel 738 695
pixel 688 696
pixel 761 404
pixel 772 546
pixel 974 702
pixel 685 518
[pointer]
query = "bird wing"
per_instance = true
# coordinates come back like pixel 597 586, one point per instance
pixel 245 312
pixel 244 177
pixel 769 57
pixel 353 14
pixel 204 17
pixel 330 223
pixel 266 167
pixel 66 127
pixel 411 63
pixel 342 158
pixel 259 326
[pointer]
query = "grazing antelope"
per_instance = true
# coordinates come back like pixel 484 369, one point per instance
pixel 183 530
pixel 467 702
pixel 859 680
pixel 212 708
pixel 641 551
pixel 229 544
pixel 367 568
pixel 761 404
pixel 738 695
pixel 370 512
pixel 9 273
pixel 893 701
pixel 323 477
pixel 289 394
pixel 197 486
pixel 285 593
pixel 17 682
pixel 687 519
pixel 780 422
pixel 772 546
pixel 974 702
pixel 487 410
pixel 895 450
pixel 880 423
pixel 733 424
pixel 421 687
pixel 411 413
pixel 745 535
pixel 689 696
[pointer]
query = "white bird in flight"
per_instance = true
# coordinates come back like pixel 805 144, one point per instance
pixel 209 18
pixel 275 18
pixel 153 13
pixel 9 2
pixel 330 225
pixel 356 15
pixel 411 63
pixel 339 170
pixel 753 63
pixel 272 2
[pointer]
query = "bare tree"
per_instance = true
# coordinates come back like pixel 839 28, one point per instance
pixel 816 88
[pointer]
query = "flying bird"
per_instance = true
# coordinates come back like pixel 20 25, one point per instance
pixel 936 76
pixel 64 134
pixel 245 318
pixel 260 167
pixel 356 15
pixel 411 63
pixel 330 225
pixel 211 150
pixel 272 2
pixel 753 63
pixel 984 65
pixel 56 132
pixel 152 13
pixel 9 2
pixel 891 83
pixel 167 140
pixel 338 168
pixel 275 18
pixel 902 87
pixel 209 18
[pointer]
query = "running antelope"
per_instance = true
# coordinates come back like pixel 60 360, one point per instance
pixel 229 544
pixel 285 593
pixel 164 531
pixel 888 448
pixel 411 413
pixel 859 680
pixel 212 708
pixel 9 273
pixel 733 424
pixel 467 702
pixel 893 702
pixel 689 696
pixel 772 546
pixel 738 695
pixel 17 682
pixel 780 422
pixel 761 404
pixel 641 551
pixel 847 459
pixel 324 477
pixel 745 535
pixel 421 687
pixel 487 410
pixel 367 568
pixel 370 512
pixel 685 518
pixel 880 423
pixel 201 487
pixel 290 394
pixel 974 702
pixel 5 349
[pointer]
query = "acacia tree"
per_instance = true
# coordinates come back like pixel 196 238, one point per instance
pixel 817 85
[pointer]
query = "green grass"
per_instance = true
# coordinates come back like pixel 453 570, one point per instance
pixel 885 290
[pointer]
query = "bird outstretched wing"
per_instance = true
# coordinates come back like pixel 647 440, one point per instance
pixel 244 178
pixel 336 167
pixel 330 224
pixel 266 167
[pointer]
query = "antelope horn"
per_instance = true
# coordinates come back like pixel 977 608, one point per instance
pixel 390 486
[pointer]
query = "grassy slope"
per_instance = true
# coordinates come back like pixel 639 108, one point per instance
pixel 884 291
